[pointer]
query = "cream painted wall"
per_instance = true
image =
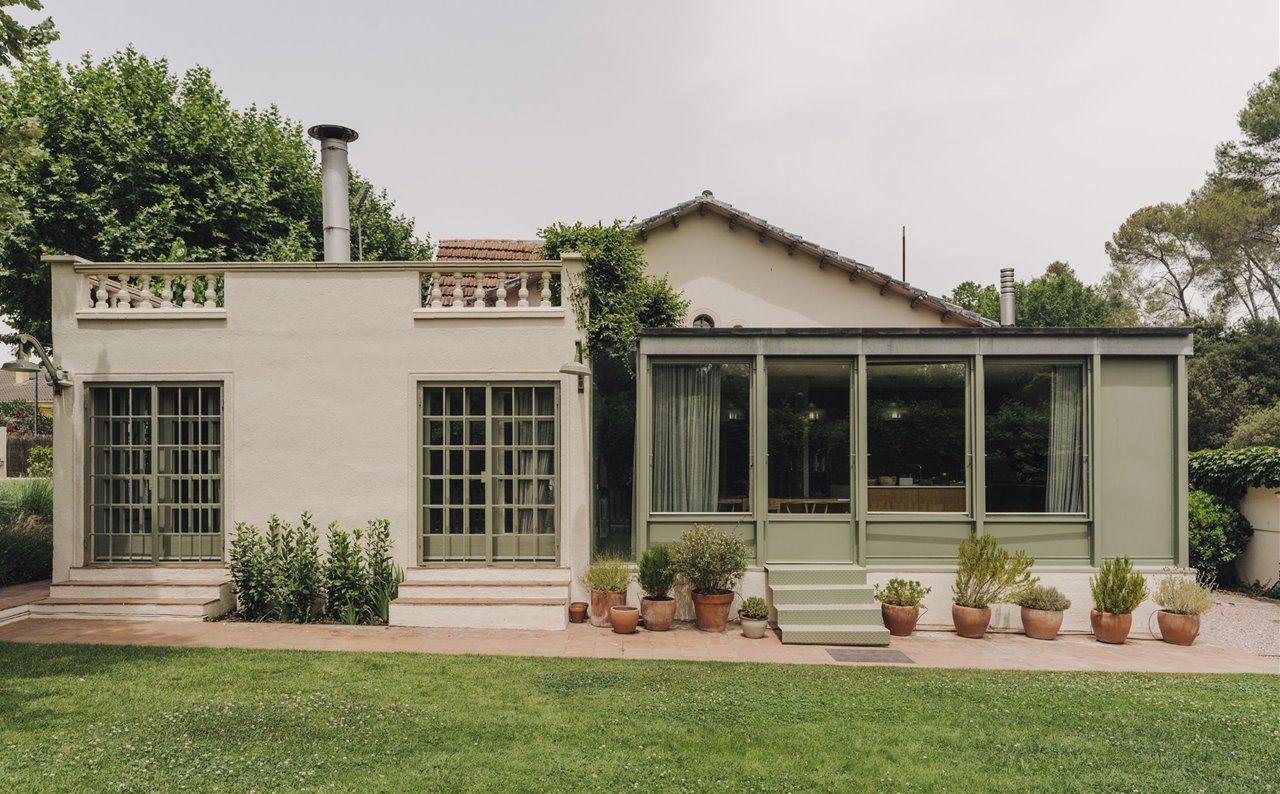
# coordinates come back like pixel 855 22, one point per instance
pixel 320 368
pixel 729 274
pixel 1261 560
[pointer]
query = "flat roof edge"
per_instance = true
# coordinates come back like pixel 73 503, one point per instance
pixel 1151 331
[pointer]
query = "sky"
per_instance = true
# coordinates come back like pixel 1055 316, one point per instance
pixel 1001 134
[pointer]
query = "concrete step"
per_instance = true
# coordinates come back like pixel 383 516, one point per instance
pixel 474 575
pixel 801 615
pixel 834 635
pixel 186 572
pixel 129 608
pixel 482 589
pixel 822 593
pixel 549 614
pixel 816 574
pixel 158 589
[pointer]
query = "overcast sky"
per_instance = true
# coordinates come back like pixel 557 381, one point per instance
pixel 1000 133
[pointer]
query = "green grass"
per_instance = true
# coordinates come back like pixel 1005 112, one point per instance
pixel 105 718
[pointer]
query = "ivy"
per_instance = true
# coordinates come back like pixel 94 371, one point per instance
pixel 616 297
pixel 1228 473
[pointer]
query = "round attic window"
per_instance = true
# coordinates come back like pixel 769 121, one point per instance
pixel 704 321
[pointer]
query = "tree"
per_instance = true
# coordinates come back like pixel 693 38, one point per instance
pixel 1157 261
pixel 1056 299
pixel 18 136
pixel 1258 428
pixel 139 157
pixel 1232 375
pixel 16 39
pixel 982 299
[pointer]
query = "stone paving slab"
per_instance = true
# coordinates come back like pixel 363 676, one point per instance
pixel 924 649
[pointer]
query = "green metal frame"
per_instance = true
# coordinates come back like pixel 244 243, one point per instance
pixel 492 545
pixel 151 501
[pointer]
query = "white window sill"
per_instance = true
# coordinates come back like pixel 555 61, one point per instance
pixel 152 314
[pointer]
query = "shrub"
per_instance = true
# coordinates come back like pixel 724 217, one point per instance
pixel 384 575
pixel 26 549
pixel 1258 428
pixel 1182 596
pixel 346 577
pixel 608 574
pixel 253 573
pixel 1117 588
pixel 1217 532
pixel 902 593
pixel 657 574
pixel 40 462
pixel 301 580
pixel 754 608
pixel 987 573
pixel 712 560
pixel 1049 599
pixel 33 496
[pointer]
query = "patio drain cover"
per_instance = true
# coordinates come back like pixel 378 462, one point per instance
pixel 870 655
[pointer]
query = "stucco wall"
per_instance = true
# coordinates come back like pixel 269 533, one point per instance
pixel 1261 561
pixel 729 274
pixel 320 368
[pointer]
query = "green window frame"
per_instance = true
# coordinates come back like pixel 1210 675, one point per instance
pixel 154 470
pixel 488 472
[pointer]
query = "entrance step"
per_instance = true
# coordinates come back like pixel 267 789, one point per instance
pixel 825 604
pixel 129 608
pixel 140 592
pixel 187 572
pixel 483 598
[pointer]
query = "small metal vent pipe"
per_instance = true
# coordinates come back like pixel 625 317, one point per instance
pixel 1007 315
pixel 337 202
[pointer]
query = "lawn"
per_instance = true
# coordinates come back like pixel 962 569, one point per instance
pixel 97 718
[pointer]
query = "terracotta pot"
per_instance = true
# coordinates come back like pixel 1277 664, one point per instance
pixel 1110 627
pixel 971 622
pixel 900 620
pixel 624 619
pixel 1041 624
pixel 753 629
pixel 712 610
pixel 1178 629
pixel 578 611
pixel 601 600
pixel 658 613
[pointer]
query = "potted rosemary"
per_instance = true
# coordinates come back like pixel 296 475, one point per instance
pixel 986 574
pixel 1117 591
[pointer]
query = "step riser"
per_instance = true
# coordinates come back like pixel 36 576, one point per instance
pixel 150 573
pixel 63 615
pixel 547 618
pixel 540 576
pixel 420 590
pixel 851 576
pixel 106 590
pixel 866 636
pixel 826 617
pixel 129 611
pixel 809 597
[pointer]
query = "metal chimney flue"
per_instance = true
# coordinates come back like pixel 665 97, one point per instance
pixel 1007 315
pixel 337 202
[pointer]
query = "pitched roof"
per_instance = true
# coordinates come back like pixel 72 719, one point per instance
pixel 11 390
pixel 709 203
pixel 487 250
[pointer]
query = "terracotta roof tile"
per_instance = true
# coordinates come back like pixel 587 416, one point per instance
pixel 473 250
pixel 9 390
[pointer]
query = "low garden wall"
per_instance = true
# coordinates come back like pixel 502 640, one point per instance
pixel 1260 562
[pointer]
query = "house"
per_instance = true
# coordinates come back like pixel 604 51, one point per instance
pixel 850 426
pixel 23 387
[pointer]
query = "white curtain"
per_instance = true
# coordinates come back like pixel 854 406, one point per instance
pixel 686 438
pixel 1063 487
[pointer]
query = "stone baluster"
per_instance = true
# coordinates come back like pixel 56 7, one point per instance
pixel 500 297
pixel 544 301
pixel 458 302
pixel 143 298
pixel 166 294
pixel 211 291
pixel 479 293
pixel 101 293
pixel 524 290
pixel 122 294
pixel 188 291
pixel 437 297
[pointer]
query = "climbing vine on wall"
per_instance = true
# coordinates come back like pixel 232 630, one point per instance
pixel 618 295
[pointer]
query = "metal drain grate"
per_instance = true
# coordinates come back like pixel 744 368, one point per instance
pixel 870 655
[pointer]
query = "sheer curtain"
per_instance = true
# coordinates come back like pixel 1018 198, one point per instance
pixel 1063 491
pixel 686 438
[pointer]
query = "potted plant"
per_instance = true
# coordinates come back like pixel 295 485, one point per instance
pixel 1182 601
pixel 578 611
pixel 985 574
pixel 1117 591
pixel 713 561
pixel 623 618
pixel 608 579
pixel 1042 609
pixel 657 575
pixel 900 605
pixel 754 617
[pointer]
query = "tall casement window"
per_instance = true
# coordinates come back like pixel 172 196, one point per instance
pixel 701 438
pixel 155 473
pixel 808 436
pixel 489 473
pixel 916 437
pixel 1034 436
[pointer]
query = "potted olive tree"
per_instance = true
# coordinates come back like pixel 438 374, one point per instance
pixel 1182 601
pixel 657 575
pixel 713 562
pixel 986 574
pixel 1042 609
pixel 607 578
pixel 754 617
pixel 1117 591
pixel 900 605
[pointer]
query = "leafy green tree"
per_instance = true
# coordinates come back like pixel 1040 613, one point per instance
pixel 983 299
pixel 1057 299
pixel 1157 262
pixel 16 39
pixel 1258 428
pixel 139 158
pixel 18 136
pixel 1232 374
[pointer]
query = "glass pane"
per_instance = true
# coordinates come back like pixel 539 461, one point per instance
pixel 809 436
pixel 701 438
pixel 916 438
pixel 1034 437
